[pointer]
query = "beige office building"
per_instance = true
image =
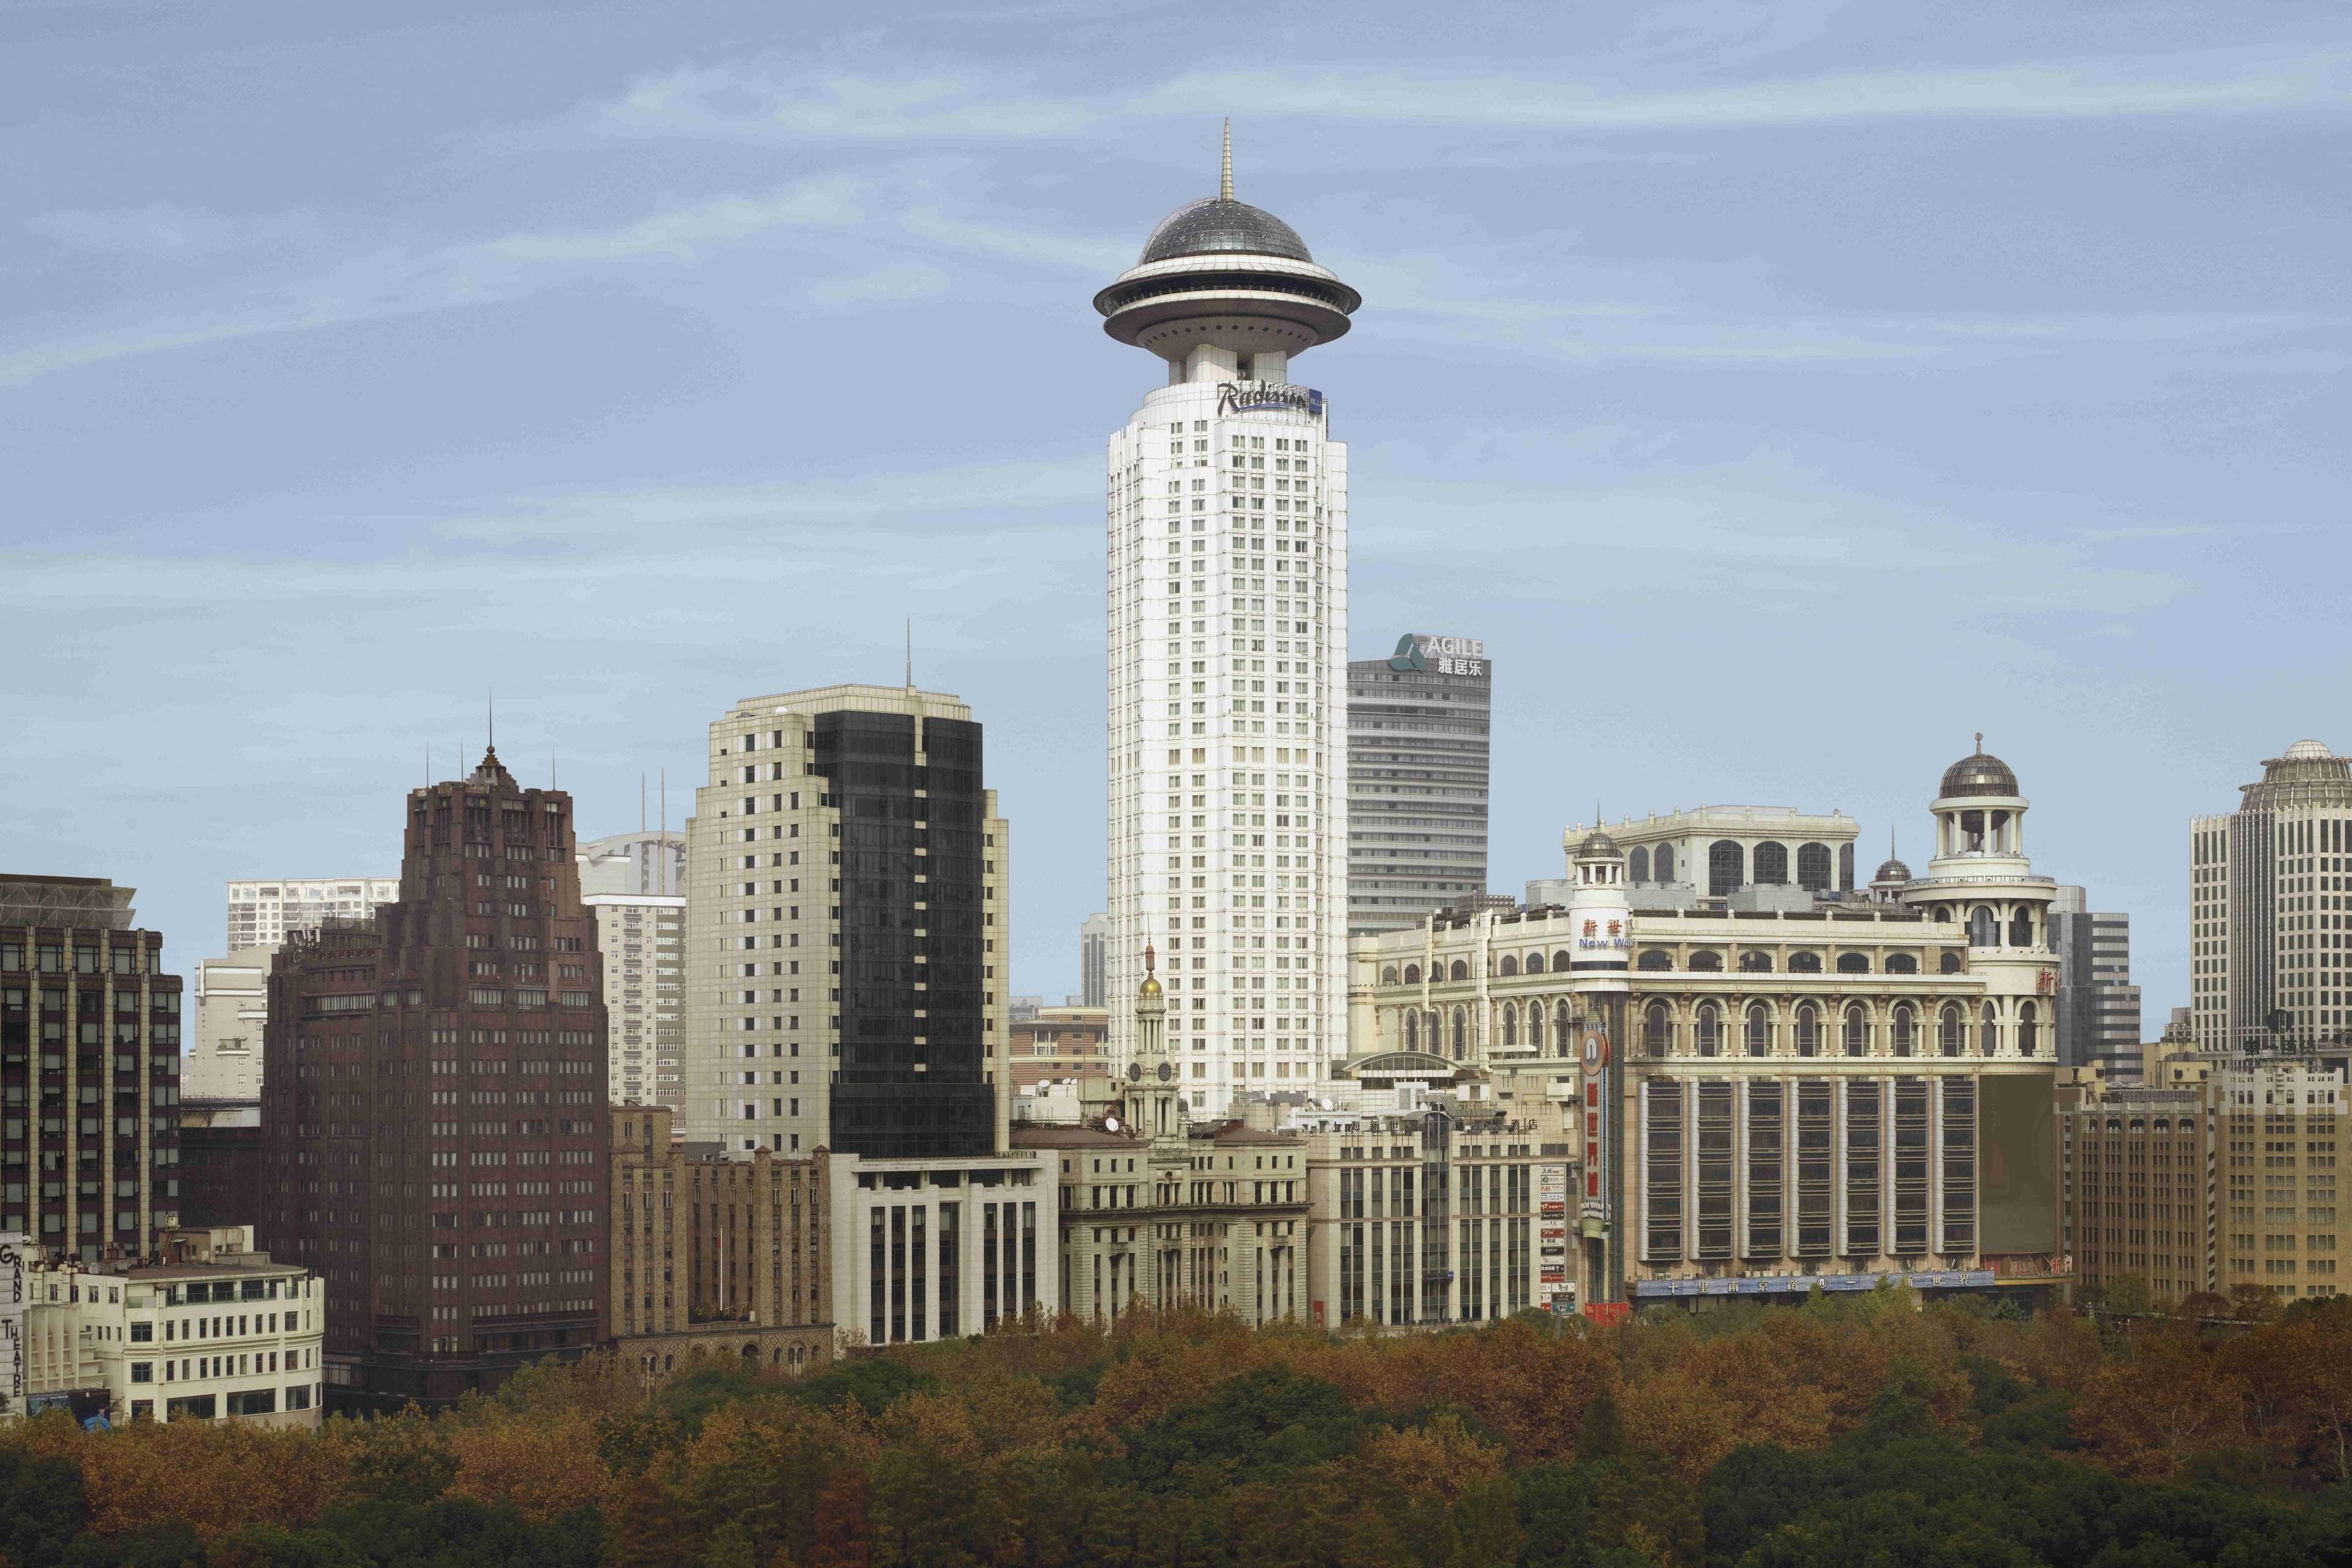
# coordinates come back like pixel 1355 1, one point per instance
pixel 641 937
pixel 232 1006
pixel 848 930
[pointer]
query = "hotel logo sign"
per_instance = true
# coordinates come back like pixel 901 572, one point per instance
pixel 1445 655
pixel 1252 396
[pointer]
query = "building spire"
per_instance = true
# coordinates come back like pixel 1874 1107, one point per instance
pixel 1226 179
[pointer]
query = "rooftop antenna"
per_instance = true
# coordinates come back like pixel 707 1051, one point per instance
pixel 494 719
pixel 1225 180
pixel 910 653
pixel 1980 742
pixel 665 831
pixel 641 799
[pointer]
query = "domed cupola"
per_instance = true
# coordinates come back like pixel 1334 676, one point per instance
pixel 1226 291
pixel 1980 775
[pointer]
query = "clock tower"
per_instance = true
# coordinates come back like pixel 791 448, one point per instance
pixel 1154 1098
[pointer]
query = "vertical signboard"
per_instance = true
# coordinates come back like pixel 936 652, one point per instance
pixel 1553 1285
pixel 1594 1208
pixel 13 1245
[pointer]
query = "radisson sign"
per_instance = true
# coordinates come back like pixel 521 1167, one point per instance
pixel 1250 397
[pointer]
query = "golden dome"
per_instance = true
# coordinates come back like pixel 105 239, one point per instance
pixel 1150 987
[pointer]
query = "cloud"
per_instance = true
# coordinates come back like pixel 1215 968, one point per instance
pixel 900 284
pixel 681 233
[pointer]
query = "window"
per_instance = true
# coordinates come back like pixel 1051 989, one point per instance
pixel 1857 1032
pixel 1813 868
pixel 1461 971
pixel 1755 962
pixel 1412 1030
pixel 1413 974
pixel 1535 1027
pixel 2020 927
pixel 1760 1031
pixel 2026 1029
pixel 1461 1035
pixel 1725 864
pixel 1534 964
pixel 1771 864
pixel 1809 1030
pixel 1948 1031
pixel 1706 963
pixel 1637 865
pixel 1510 965
pixel 1657 1030
pixel 1707 1031
pixel 1804 963
pixel 1902 1029
pixel 1662 863
pixel 1655 958
pixel 1984 931
pixel 1988 1032
pixel 1902 964
pixel 1853 963
pixel 1510 1025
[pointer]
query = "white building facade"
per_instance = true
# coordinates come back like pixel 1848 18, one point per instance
pixel 232 1008
pixel 1227 531
pixel 264 914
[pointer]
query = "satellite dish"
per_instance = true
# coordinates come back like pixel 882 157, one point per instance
pixel 1110 1123
pixel 1327 1103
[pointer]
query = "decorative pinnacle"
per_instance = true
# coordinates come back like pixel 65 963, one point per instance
pixel 1151 959
pixel 1226 181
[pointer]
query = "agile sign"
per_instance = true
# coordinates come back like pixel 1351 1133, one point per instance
pixel 1447 655
pixel 1251 396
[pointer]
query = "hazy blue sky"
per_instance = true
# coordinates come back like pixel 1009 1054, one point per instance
pixel 1783 392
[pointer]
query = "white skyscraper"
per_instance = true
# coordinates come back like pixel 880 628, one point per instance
pixel 1227 717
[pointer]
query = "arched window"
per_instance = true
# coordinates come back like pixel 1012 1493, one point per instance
pixel 1461 1035
pixel 1902 964
pixel 1984 931
pixel 2021 927
pixel 1657 1030
pixel 1902 1029
pixel 1759 1030
pixel 1813 868
pixel 1755 960
pixel 1637 865
pixel 1412 1030
pixel 1534 964
pixel 1535 1027
pixel 1943 911
pixel 2026 1031
pixel 1809 1030
pixel 1726 865
pixel 1461 970
pixel 1853 963
pixel 1559 962
pixel 1804 963
pixel 1708 1031
pixel 1389 976
pixel 1706 963
pixel 1662 863
pixel 1845 868
pixel 1857 1031
pixel 1654 958
pixel 1771 863
pixel 1432 1030
pixel 1510 964
pixel 1988 1032
pixel 1563 1029
pixel 1948 1031
pixel 1950 963
pixel 1511 1026
pixel 1413 974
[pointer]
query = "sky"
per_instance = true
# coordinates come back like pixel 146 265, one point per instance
pixel 1783 392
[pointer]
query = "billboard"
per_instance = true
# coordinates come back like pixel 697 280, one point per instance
pixel 2017 1163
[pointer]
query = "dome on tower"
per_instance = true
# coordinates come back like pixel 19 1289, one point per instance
pixel 1980 773
pixel 2307 751
pixel 1598 845
pixel 1220 225
pixel 1893 871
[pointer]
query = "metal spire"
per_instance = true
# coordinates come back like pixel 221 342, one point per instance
pixel 1225 180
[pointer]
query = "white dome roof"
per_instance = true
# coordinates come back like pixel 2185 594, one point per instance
pixel 2307 749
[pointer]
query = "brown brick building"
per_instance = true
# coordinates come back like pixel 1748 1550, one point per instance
pixel 90 1054
pixel 713 1256
pixel 1060 1042
pixel 434 1105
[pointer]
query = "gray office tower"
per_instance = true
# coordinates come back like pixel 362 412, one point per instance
pixel 2098 1006
pixel 1093 961
pixel 1417 766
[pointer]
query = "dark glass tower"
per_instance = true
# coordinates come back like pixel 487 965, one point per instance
pixel 913 1078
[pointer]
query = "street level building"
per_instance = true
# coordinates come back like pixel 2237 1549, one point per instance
pixel 714 1256
pixel 1775 1095
pixel 1159 1211
pixel 1060 1042
pixel 232 1009
pixel 1418 724
pixel 2098 1006
pixel 89 1053
pixel 2271 897
pixel 848 930
pixel 262 913
pixel 434 1105
pixel 1227 527
pixel 217 1332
